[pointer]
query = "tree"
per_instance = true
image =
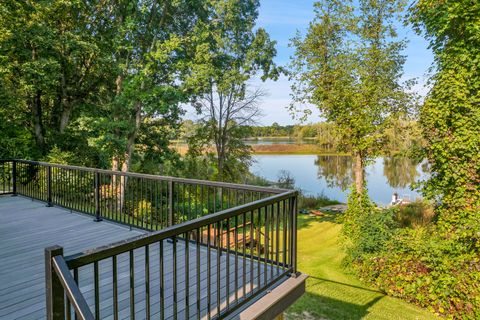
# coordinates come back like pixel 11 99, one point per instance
pixel 450 115
pixel 223 123
pixel 51 68
pixel 151 50
pixel 349 65
pixel 233 54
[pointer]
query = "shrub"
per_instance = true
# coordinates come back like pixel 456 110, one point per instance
pixel 313 202
pixel 142 210
pixel 367 228
pixel 415 214
pixel 432 272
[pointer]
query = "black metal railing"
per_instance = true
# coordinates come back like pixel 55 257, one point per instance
pixel 213 247
pixel 6 177
pixel 143 201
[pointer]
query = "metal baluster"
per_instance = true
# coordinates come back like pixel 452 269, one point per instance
pixel 198 273
pixel 187 277
pixel 219 270
pixel 97 291
pixel 175 298
pixel 162 282
pixel 227 265
pixel 209 271
pixel 252 242
pixel 132 285
pixel 147 282
pixel 115 287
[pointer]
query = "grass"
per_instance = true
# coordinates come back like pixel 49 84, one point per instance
pixel 333 293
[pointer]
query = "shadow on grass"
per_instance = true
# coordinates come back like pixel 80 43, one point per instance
pixel 314 306
pixel 322 280
pixel 305 220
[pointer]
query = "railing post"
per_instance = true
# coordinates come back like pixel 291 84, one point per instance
pixel 54 290
pixel 293 234
pixel 14 174
pixel 49 186
pixel 170 202
pixel 97 198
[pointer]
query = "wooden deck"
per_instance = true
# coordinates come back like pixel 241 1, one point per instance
pixel 27 227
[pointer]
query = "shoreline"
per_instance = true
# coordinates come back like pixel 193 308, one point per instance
pixel 292 149
pixel 280 149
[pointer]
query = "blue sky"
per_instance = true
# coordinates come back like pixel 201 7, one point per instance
pixel 282 19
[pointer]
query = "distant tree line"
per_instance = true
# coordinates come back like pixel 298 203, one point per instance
pixel 403 134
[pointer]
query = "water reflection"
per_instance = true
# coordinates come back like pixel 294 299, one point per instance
pixel 400 172
pixel 332 175
pixel 336 170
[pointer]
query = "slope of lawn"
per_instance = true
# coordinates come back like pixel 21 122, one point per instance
pixel 332 293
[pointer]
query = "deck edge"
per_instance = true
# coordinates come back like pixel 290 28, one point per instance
pixel 276 301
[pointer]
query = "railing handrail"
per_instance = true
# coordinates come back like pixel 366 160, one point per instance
pixel 103 252
pixel 73 293
pixel 230 185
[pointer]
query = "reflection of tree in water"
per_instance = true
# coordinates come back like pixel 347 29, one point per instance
pixel 400 171
pixel 337 170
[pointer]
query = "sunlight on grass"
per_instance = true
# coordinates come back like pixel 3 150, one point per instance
pixel 332 293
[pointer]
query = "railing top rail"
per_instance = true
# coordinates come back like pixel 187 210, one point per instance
pixel 100 253
pixel 235 186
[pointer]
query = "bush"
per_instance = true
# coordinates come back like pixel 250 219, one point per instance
pixel 432 272
pixel 314 202
pixel 415 214
pixel 405 254
pixel 366 227
pixel 143 210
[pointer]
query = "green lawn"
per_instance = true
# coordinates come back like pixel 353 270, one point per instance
pixel 332 293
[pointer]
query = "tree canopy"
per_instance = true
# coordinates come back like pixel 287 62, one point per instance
pixel 349 65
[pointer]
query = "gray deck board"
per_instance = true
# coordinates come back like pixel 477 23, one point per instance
pixel 27 227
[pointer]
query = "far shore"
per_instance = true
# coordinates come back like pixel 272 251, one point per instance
pixel 306 149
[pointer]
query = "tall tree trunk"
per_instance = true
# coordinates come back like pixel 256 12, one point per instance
pixel 359 172
pixel 65 103
pixel 37 113
pixel 127 159
pixel 37 121
pixel 65 117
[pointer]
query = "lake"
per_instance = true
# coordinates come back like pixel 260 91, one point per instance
pixel 331 175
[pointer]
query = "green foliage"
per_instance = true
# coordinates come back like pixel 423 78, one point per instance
pixel 366 228
pixel 421 267
pixel 314 202
pixel 142 210
pixel 450 116
pixel 274 130
pixel 415 214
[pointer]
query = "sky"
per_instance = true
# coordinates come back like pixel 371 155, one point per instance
pixel 282 19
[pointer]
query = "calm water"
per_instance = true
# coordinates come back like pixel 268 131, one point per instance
pixel 330 175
